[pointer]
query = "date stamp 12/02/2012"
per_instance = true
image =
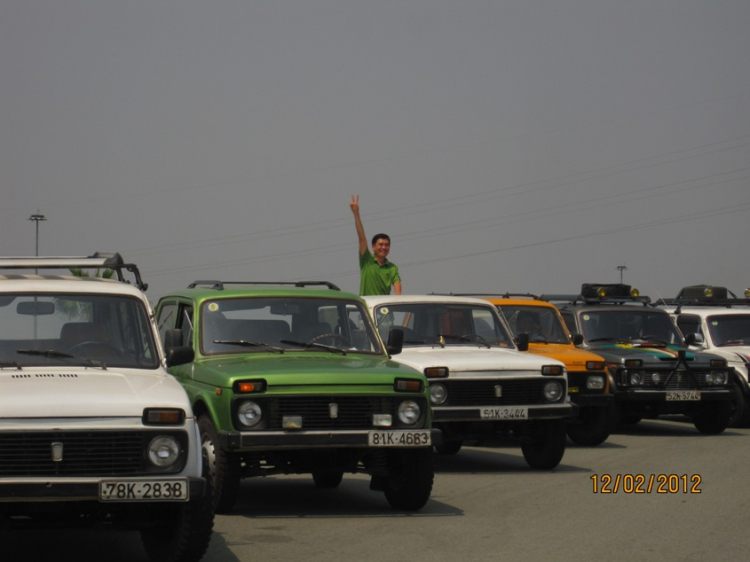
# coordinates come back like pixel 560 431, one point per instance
pixel 646 483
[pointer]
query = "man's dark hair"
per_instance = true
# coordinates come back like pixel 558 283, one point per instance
pixel 379 236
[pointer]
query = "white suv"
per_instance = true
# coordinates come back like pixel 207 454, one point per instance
pixel 718 323
pixel 480 383
pixel 92 427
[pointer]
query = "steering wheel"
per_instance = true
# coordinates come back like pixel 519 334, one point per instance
pixel 92 346
pixel 333 336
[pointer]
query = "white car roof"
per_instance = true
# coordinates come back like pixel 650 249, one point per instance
pixel 29 283
pixel 373 301
pixel 706 311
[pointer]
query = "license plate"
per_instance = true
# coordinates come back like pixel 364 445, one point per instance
pixel 144 490
pixel 683 395
pixel 504 413
pixel 399 439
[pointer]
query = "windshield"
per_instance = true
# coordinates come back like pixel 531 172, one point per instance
pixel 625 325
pixel 443 324
pixel 729 329
pixel 241 325
pixel 75 329
pixel 540 322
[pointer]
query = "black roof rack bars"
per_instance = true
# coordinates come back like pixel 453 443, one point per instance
pixel 219 285
pixel 97 260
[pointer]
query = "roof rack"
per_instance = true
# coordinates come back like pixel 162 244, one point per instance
pixel 601 293
pixel 706 295
pixel 97 260
pixel 499 295
pixel 219 285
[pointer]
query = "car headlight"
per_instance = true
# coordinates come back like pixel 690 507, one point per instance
pixel 595 383
pixel 438 393
pixel 553 391
pixel 636 378
pixel 716 377
pixel 409 412
pixel 249 414
pixel 163 451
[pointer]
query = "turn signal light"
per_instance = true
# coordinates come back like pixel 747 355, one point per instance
pixel 249 387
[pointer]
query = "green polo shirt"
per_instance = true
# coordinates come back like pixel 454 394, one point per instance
pixel 376 279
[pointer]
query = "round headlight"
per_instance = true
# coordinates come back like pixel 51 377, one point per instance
pixel 249 414
pixel 163 451
pixel 438 393
pixel 719 377
pixel 656 378
pixel 595 382
pixel 553 391
pixel 636 378
pixel 409 412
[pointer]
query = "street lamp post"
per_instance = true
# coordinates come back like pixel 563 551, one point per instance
pixel 621 268
pixel 36 218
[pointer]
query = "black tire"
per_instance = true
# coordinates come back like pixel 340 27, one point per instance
pixel 712 419
pixel 592 427
pixel 186 531
pixel 223 467
pixel 740 408
pixel 327 479
pixel 449 446
pixel 545 447
pixel 408 484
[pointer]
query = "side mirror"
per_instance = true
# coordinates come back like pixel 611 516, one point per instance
pixel 522 342
pixel 577 339
pixel 177 354
pixel 694 338
pixel 395 341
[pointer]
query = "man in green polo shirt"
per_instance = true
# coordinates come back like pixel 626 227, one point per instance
pixel 377 274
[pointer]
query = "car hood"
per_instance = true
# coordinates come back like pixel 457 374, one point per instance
pixel 574 358
pixel 733 353
pixel 303 368
pixel 80 392
pixel 460 358
pixel 648 353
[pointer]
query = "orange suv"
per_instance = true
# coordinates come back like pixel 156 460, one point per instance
pixel 530 317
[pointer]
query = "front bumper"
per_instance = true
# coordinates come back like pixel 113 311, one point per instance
pixel 591 400
pixel 302 439
pixel 642 395
pixel 442 414
pixel 73 489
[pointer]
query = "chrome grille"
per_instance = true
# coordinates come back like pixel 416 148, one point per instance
pixel 483 393
pixel 84 453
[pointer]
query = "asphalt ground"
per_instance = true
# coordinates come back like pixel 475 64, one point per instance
pixel 486 505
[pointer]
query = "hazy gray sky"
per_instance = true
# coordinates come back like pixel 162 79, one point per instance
pixel 504 145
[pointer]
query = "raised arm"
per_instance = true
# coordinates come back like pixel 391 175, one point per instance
pixel 354 205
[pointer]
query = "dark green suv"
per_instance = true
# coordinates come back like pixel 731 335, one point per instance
pixel 651 371
pixel 292 378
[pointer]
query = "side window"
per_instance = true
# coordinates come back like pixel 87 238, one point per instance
pixel 185 323
pixel 165 320
pixel 570 322
pixel 689 324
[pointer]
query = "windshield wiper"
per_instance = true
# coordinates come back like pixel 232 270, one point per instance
pixel 60 355
pixel 316 345
pixel 650 339
pixel 244 343
pixel 733 342
pixel 10 364
pixel 600 339
pixel 468 338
